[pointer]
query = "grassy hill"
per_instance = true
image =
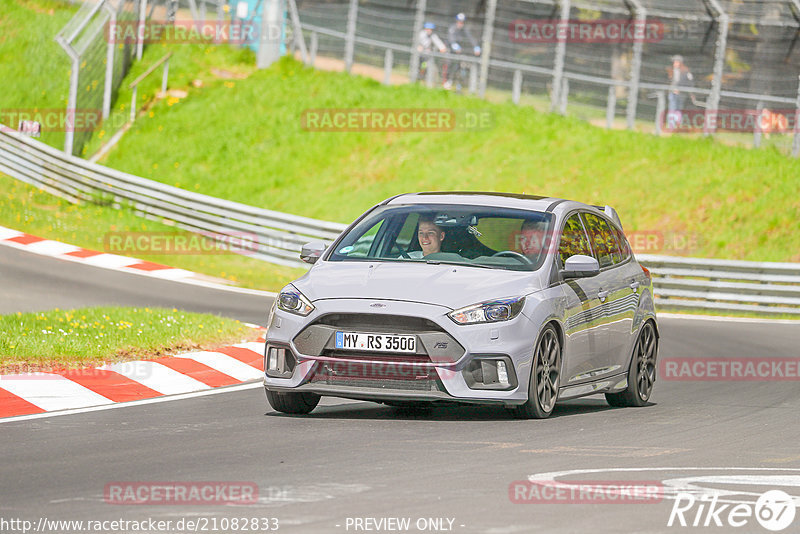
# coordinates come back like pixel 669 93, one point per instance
pixel 243 140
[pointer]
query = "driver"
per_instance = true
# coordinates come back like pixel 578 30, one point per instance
pixel 530 240
pixel 430 237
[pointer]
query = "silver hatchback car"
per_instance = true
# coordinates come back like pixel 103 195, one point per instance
pixel 461 297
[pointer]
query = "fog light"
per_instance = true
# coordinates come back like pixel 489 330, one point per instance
pixel 502 373
pixel 275 360
pixel 490 372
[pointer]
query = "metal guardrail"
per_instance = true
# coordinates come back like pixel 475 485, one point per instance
pixel 276 237
pixel 689 283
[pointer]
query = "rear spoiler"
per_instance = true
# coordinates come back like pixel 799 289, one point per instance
pixel 611 213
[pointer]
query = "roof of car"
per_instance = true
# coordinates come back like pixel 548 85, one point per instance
pixel 485 198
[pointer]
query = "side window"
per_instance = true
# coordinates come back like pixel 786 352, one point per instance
pixel 603 240
pixel 624 247
pixel 362 246
pixel 573 240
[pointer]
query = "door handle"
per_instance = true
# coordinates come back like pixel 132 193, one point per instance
pixel 634 286
pixel 602 295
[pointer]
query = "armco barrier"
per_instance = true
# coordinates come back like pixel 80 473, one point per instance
pixel 277 237
pixel 689 283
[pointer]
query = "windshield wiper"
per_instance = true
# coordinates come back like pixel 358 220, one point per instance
pixel 437 262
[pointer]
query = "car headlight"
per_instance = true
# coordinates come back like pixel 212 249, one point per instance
pixel 292 301
pixel 492 311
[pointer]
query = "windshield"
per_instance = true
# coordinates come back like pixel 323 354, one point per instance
pixel 479 236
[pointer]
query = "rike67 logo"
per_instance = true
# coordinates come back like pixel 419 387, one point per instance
pixel 774 510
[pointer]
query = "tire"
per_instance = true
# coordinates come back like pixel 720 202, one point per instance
pixel 292 403
pixel 545 377
pixel 642 372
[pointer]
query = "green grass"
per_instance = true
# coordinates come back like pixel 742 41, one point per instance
pixel 26 208
pixel 34 69
pixel 92 336
pixel 243 141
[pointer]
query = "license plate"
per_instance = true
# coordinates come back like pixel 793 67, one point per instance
pixel 376 342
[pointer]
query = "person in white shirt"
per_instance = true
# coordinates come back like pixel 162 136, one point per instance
pixel 430 238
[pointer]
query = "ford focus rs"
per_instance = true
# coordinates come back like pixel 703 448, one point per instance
pixel 485 298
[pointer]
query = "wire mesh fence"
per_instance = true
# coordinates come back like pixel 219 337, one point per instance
pixel 699 66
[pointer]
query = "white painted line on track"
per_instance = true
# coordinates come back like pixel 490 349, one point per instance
pixel 255 346
pixel 157 377
pixel 51 392
pixel 225 364
pixel 114 406
pixel 8 233
pixel 110 261
pixel 51 248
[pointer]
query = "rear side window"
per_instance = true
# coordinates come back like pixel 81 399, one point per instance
pixel 624 247
pixel 603 240
pixel 573 240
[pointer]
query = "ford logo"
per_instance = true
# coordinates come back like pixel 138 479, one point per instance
pixel 377 305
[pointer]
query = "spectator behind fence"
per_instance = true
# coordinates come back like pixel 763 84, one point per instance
pixel 426 42
pixel 680 77
pixel 459 36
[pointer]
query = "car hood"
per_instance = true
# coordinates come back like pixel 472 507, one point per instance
pixel 452 286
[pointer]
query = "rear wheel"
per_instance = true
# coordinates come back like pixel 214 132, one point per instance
pixel 292 403
pixel 545 377
pixel 642 373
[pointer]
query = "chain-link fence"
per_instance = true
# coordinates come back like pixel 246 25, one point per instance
pixel 732 64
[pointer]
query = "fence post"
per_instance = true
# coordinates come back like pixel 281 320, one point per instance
pixel 796 137
pixel 473 78
pixel 719 64
pixel 110 45
pixel 350 38
pixel 660 105
pixel 430 71
pixel 312 53
pixel 133 103
pixel 611 106
pixel 419 20
pixel 636 64
pixel 139 28
pixel 516 86
pixel 165 77
pixel 563 95
pixel 757 125
pixel 561 48
pixel 72 99
pixel 388 59
pixel 486 49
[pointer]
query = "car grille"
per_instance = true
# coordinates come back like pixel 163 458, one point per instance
pixel 376 376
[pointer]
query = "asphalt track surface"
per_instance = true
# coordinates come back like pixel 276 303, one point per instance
pixel 356 460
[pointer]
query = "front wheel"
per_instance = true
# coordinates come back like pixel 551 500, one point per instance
pixel 642 373
pixel 545 377
pixel 299 403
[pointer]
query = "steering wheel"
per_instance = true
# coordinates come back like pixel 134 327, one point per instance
pixel 512 254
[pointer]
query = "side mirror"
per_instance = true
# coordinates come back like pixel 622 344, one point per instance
pixel 311 252
pixel 580 266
